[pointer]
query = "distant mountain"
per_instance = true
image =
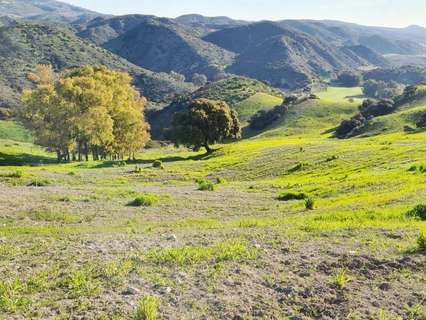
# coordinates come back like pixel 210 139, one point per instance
pixel 209 24
pixel 382 40
pixel 159 44
pixel 23 45
pixel 286 57
pixel 45 10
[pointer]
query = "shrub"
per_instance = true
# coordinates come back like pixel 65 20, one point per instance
pixel 309 204
pixel 220 180
pixel 349 79
pixel 204 185
pixel 144 200
pixel 371 108
pixel 148 308
pixel 421 242
pixel 264 118
pixel 421 123
pixel 288 196
pixel 347 126
pixel 418 212
pixel 157 164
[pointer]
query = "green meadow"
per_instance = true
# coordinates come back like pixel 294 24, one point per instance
pixel 127 240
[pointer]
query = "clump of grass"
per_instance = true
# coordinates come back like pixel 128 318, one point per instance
pixel 157 164
pixel 332 158
pixel 204 185
pixel 71 173
pixel 220 180
pixel 115 272
pixel 421 242
pixel 137 169
pixel 12 295
pixel 418 212
pixel 309 204
pixel 298 167
pixel 148 308
pixel 15 174
pixel 39 183
pixel 341 278
pixel 230 250
pixel 81 283
pixel 144 200
pixel 7 251
pixel 288 196
pixel 52 215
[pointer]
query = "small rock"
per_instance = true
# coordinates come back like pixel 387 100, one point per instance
pixel 172 237
pixel 166 290
pixel 385 286
pixel 228 283
pixel 131 291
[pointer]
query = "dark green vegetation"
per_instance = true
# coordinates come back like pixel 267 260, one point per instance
pixel 350 246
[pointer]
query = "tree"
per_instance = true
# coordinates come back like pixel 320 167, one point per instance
pixel 89 110
pixel 199 80
pixel 381 89
pixel 203 123
pixel 349 79
pixel 43 74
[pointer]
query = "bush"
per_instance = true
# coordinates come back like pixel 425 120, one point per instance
pixel 421 123
pixel 148 308
pixel 157 164
pixel 421 242
pixel 309 204
pixel 418 212
pixel 348 126
pixel 204 185
pixel 370 108
pixel 264 118
pixel 144 200
pixel 288 196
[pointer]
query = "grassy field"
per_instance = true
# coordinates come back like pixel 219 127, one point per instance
pixel 106 240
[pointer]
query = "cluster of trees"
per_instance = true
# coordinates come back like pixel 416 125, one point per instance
pixel 88 110
pixel 369 109
pixel 203 123
pixel 349 79
pixel 382 89
pixel 264 118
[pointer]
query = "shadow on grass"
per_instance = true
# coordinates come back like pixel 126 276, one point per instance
pixel 116 164
pixel 24 159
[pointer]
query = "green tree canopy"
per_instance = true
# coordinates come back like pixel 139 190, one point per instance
pixel 203 123
pixel 89 109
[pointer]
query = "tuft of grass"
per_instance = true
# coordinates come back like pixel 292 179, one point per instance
pixel 204 185
pixel 421 242
pixel 52 215
pixel 230 250
pixel 418 212
pixel 148 308
pixel 288 196
pixel 341 278
pixel 12 295
pixel 309 204
pixel 81 283
pixel 15 174
pixel 144 200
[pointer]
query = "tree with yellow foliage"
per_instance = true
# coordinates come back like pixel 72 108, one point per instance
pixel 88 110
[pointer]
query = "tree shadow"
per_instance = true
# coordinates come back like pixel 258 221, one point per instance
pixel 170 159
pixel 24 159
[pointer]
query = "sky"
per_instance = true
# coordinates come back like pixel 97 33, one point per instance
pixel 392 13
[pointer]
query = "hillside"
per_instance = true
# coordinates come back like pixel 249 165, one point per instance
pixel 45 10
pixel 24 45
pixel 244 95
pixel 240 251
pixel 158 44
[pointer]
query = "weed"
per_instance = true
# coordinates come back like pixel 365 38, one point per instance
pixel 340 278
pixel 418 212
pixel 204 185
pixel 383 315
pixel 12 295
pixel 309 204
pixel 81 283
pixel 421 242
pixel 148 308
pixel 220 180
pixel 144 200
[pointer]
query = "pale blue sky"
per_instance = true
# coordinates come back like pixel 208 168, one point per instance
pixel 369 12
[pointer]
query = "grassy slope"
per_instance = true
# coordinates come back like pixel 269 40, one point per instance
pixel 361 187
pixel 9 130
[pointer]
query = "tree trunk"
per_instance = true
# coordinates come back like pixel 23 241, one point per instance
pixel 208 149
